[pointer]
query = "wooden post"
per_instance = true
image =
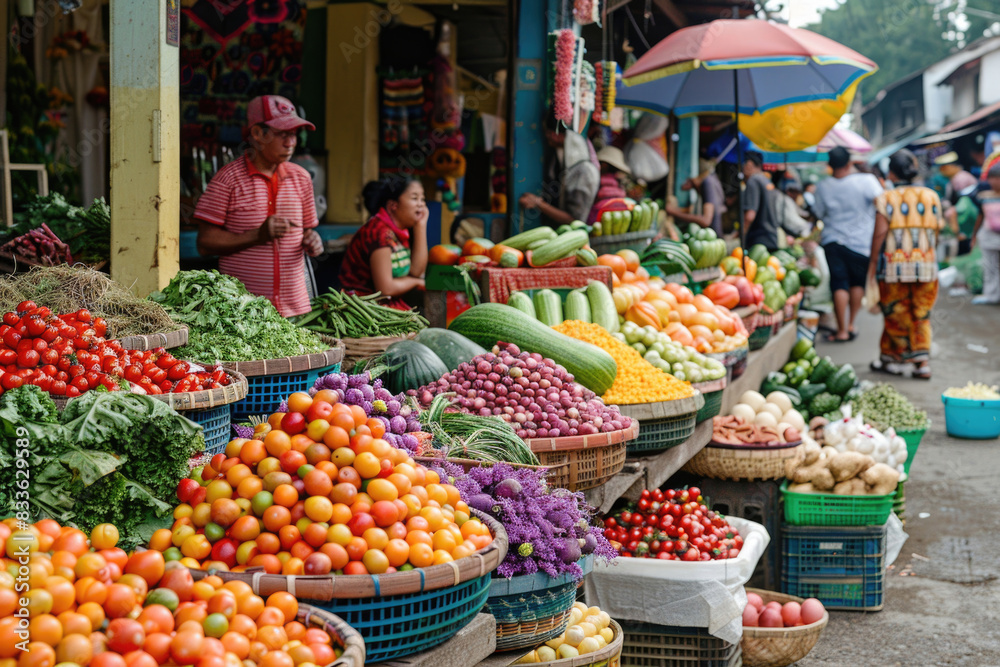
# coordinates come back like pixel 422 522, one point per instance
pixel 145 143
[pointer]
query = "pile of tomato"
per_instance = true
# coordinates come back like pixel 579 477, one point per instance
pixel 67 355
pixel 92 605
pixel 333 497
pixel 672 525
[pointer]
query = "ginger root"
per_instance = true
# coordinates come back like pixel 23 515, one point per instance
pixel 846 465
pixel 882 478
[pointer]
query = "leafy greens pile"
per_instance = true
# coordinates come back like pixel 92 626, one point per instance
pixel 228 323
pixel 109 457
pixel 86 231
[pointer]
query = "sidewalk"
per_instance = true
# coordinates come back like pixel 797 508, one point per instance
pixel 942 603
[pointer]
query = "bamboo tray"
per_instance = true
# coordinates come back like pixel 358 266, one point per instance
pixel 363 348
pixel 297 364
pixel 736 463
pixel 168 340
pixel 343 634
pixel 664 409
pixel 779 647
pixel 207 399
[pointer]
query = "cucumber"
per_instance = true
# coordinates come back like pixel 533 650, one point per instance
pixel 548 307
pixel 522 302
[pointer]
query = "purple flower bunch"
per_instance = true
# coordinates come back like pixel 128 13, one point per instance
pixel 400 419
pixel 548 529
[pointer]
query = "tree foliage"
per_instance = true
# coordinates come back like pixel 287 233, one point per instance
pixel 901 36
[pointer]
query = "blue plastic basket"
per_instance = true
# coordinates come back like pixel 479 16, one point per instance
pixel 266 392
pixel 216 424
pixel 401 625
pixel 970 418
pixel 842 567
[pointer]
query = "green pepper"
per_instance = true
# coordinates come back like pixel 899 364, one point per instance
pixel 797 376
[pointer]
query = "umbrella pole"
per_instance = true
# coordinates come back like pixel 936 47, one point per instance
pixel 739 170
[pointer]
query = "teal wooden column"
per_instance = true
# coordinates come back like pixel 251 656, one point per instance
pixel 535 19
pixel 687 157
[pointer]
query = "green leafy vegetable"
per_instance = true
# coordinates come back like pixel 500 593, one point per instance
pixel 228 323
pixel 87 232
pixel 465 436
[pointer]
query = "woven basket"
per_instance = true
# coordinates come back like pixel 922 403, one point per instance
pixel 712 392
pixel 211 409
pixel 592 459
pixel 749 316
pixel 297 364
pixel 743 463
pixel 168 341
pixel 364 348
pixel 779 647
pixel 734 360
pixel 343 635
pixel 401 613
pixel 609 656
pixel 758 339
pixel 533 608
pixel 663 425
pixel 556 474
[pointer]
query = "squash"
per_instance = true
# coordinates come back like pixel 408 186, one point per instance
pixel 507 257
pixel 452 349
pixel 444 255
pixel 723 294
pixel 577 306
pixel 548 307
pixel 477 246
pixel 489 323
pixel 475 259
pixel 603 305
pixel 560 247
pixel 524 239
pixel 644 314
pixel 411 365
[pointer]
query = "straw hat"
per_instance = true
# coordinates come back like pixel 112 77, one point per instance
pixel 947 158
pixel 614 157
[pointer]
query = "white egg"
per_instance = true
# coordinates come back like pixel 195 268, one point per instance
pixel 744 412
pixel 765 419
pixel 773 409
pixel 794 419
pixel 753 399
pixel 782 400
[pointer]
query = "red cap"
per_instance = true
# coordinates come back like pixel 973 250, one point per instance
pixel 276 112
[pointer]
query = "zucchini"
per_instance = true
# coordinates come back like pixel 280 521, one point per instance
pixel 577 306
pixel 548 307
pixel 535 245
pixel 586 257
pixel 562 229
pixel 579 224
pixel 524 239
pixel 488 323
pixel 561 246
pixel 522 302
pixel 602 306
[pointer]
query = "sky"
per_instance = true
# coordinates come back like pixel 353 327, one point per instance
pixel 803 12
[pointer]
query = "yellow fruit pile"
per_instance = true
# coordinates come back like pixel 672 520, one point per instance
pixel 637 381
pixel 589 631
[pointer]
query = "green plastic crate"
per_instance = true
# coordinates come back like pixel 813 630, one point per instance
pixel 827 509
pixel 657 435
pixel 912 439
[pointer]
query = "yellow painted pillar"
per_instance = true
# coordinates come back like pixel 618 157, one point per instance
pixel 145 143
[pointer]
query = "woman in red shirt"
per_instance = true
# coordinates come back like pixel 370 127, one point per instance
pixel 389 253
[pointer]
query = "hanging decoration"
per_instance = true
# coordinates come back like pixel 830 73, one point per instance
pixel 403 121
pixel 562 95
pixel 605 73
pixel 587 11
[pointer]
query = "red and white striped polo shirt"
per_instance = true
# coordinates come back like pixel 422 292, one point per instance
pixel 239 198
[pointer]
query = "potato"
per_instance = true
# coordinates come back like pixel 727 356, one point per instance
pixel 802 488
pixel 829 452
pixel 850 487
pixel 823 480
pixel 791 465
pixel 811 454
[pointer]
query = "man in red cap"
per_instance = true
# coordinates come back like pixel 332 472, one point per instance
pixel 258 212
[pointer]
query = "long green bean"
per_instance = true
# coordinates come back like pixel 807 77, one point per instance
pixel 350 316
pixel 487 439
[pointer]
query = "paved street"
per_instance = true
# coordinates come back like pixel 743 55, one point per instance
pixel 942 604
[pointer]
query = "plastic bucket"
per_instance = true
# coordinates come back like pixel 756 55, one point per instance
pixel 971 418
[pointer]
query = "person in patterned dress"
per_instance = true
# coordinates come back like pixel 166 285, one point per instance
pixel 389 253
pixel 907 222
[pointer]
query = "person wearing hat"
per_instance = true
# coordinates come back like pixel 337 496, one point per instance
pixel 713 198
pixel 958 178
pixel 846 205
pixel 258 212
pixel 613 169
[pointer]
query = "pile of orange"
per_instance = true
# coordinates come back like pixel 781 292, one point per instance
pixel 320 491
pixel 92 605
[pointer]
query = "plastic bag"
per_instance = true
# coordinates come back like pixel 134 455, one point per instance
pixel 872 298
pixel 646 164
pixel 704 594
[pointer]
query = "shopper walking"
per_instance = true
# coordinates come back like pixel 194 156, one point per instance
pixel 846 205
pixel 713 198
pixel 760 217
pixel 987 237
pixel 904 262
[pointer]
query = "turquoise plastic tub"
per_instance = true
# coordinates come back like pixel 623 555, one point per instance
pixel 971 418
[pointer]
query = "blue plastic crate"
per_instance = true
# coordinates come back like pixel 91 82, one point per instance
pixel 843 567
pixel 399 625
pixel 216 424
pixel 266 392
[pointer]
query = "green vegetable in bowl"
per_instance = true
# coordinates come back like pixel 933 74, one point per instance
pixel 883 406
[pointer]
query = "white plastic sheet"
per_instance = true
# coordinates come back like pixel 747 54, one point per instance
pixel 703 594
pixel 895 538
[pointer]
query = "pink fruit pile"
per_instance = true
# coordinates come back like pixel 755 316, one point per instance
pixel 777 615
